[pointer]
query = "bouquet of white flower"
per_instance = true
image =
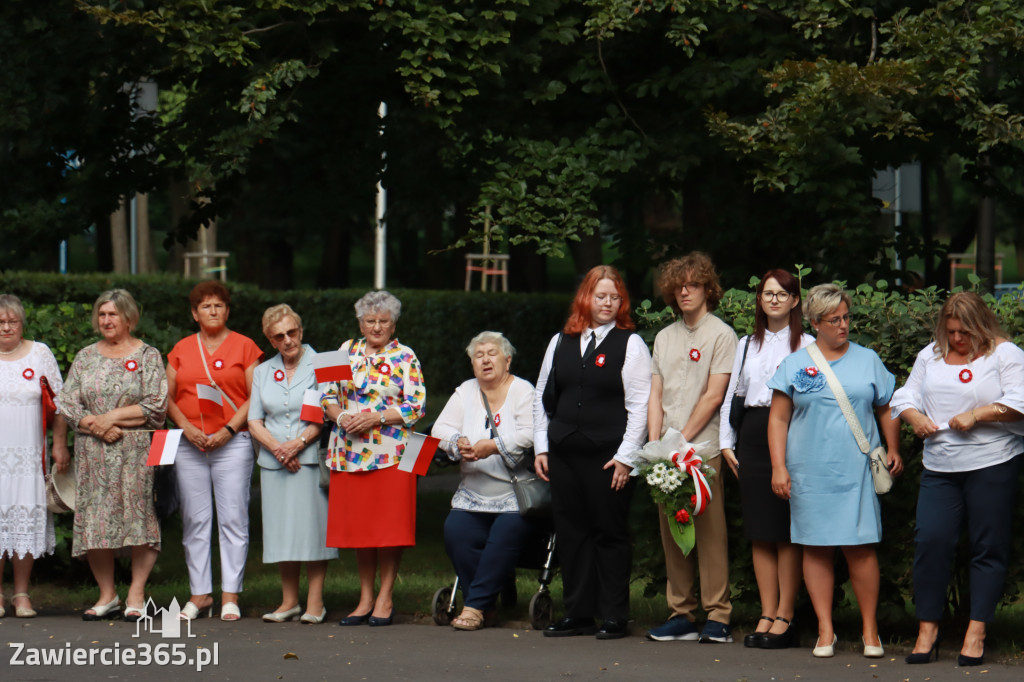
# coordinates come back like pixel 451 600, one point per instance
pixel 678 479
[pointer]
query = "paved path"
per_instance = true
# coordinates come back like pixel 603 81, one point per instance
pixel 251 650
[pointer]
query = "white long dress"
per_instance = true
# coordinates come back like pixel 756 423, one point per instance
pixel 26 528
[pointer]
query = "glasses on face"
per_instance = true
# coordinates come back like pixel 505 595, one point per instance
pixel 690 286
pixel 13 324
pixel 383 322
pixel 605 298
pixel 780 296
pixel 838 320
pixel 292 334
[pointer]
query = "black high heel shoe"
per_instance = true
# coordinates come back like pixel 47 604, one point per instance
pixel 754 639
pixel 915 659
pixel 965 661
pixel 784 640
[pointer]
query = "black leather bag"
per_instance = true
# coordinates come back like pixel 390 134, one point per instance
pixel 736 408
pixel 533 493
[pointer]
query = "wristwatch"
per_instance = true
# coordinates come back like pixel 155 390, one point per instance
pixel 303 439
pixel 1001 409
pixel 383 419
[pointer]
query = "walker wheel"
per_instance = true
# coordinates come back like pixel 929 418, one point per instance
pixel 542 610
pixel 440 610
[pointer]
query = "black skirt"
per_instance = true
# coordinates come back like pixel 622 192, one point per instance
pixel 765 516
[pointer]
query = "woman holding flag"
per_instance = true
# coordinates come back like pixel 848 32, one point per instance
pixel 286 420
pixel 379 396
pixel 209 376
pixel 115 394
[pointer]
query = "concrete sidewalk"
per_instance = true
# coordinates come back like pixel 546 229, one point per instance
pixel 252 650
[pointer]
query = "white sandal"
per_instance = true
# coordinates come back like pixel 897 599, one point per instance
pixel 230 609
pixel 191 611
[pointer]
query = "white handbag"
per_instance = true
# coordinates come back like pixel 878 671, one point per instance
pixel 880 475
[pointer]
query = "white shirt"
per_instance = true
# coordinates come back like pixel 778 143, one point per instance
pixel 636 382
pixel 939 391
pixel 762 361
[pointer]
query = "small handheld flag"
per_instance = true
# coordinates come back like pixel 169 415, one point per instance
pixel 331 366
pixel 164 447
pixel 311 410
pixel 210 402
pixel 419 453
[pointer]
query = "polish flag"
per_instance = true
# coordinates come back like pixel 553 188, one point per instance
pixel 419 453
pixel 311 411
pixel 210 403
pixel 164 447
pixel 331 366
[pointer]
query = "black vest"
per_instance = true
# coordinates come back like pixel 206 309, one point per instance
pixel 591 398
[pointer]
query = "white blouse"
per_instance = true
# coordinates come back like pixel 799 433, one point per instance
pixel 941 391
pixel 762 361
pixel 486 484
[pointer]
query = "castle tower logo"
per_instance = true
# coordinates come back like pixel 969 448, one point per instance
pixel 164 622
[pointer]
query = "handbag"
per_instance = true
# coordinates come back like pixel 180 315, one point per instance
pixel 60 487
pixel 736 407
pixel 533 493
pixel 880 475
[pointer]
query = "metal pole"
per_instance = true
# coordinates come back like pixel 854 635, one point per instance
pixel 133 238
pixel 64 257
pixel 380 243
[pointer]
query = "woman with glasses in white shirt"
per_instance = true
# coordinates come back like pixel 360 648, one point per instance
pixel 778 331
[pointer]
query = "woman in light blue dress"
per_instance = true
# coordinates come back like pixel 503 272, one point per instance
pixel 818 467
pixel 294 505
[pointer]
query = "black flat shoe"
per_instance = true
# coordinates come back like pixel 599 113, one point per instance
pixel 613 628
pixel 785 640
pixel 926 657
pixel 753 640
pixel 965 661
pixel 355 620
pixel 380 622
pixel 571 627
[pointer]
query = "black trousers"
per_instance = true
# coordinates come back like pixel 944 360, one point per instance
pixel 592 526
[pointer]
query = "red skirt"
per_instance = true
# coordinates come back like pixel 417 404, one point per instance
pixel 372 509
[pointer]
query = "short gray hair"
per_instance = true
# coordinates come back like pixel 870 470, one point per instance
pixel 378 301
pixel 124 304
pixel 11 304
pixel 823 299
pixel 497 338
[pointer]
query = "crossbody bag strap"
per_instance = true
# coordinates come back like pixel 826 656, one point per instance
pixel 840 394
pixel 202 354
pixel 492 428
pixel 743 362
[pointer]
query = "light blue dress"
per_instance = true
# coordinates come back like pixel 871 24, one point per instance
pixel 294 505
pixel 832 502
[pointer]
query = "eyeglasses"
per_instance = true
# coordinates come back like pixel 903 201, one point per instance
pixel 13 324
pixel 602 298
pixel 690 286
pixel 838 320
pixel 780 296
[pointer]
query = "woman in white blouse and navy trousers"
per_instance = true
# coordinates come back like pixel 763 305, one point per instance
pixel 778 331
pixel 962 394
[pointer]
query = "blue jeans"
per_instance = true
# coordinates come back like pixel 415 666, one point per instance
pixel 484 548
pixel 985 497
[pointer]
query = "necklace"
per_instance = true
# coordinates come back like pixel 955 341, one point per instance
pixel 13 350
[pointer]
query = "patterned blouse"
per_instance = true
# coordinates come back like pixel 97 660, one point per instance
pixel 390 378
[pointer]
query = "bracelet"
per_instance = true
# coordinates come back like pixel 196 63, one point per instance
pixel 975 416
pixel 229 429
pixel 338 420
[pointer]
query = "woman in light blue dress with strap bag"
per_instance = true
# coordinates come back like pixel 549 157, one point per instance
pixel 818 466
pixel 294 504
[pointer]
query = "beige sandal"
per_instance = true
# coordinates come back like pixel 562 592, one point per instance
pixel 469 619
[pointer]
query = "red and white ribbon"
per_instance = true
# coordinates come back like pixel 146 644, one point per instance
pixel 690 463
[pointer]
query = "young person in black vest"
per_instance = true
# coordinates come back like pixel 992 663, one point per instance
pixel 586 427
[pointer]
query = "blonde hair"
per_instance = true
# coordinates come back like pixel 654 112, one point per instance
pixel 11 304
pixel 823 299
pixel 124 304
pixel 978 321
pixel 275 314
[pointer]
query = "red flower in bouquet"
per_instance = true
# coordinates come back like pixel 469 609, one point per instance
pixel 683 516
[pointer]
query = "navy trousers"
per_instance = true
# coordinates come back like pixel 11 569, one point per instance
pixel 484 548
pixel 984 498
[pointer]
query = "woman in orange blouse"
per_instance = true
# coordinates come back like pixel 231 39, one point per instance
pixel 215 457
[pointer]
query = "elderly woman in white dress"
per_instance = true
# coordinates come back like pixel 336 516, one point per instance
pixel 484 533
pixel 26 528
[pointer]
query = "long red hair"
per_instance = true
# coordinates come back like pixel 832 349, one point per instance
pixel 581 312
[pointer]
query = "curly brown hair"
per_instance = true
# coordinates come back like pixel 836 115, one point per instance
pixel 695 266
